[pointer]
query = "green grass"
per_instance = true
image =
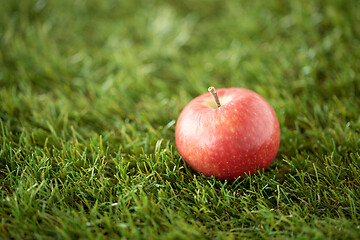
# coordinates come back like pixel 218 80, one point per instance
pixel 89 96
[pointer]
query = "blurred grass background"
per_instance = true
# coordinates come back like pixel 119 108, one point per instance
pixel 89 96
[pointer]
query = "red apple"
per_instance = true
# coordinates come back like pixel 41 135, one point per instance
pixel 237 138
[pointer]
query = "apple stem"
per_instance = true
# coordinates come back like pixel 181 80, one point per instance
pixel 213 93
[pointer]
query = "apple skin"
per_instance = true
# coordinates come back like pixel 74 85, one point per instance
pixel 240 137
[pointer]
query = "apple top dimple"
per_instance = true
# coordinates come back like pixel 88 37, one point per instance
pixel 210 103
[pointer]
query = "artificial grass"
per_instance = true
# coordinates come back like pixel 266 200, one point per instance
pixel 89 96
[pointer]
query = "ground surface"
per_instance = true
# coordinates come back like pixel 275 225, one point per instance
pixel 90 92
